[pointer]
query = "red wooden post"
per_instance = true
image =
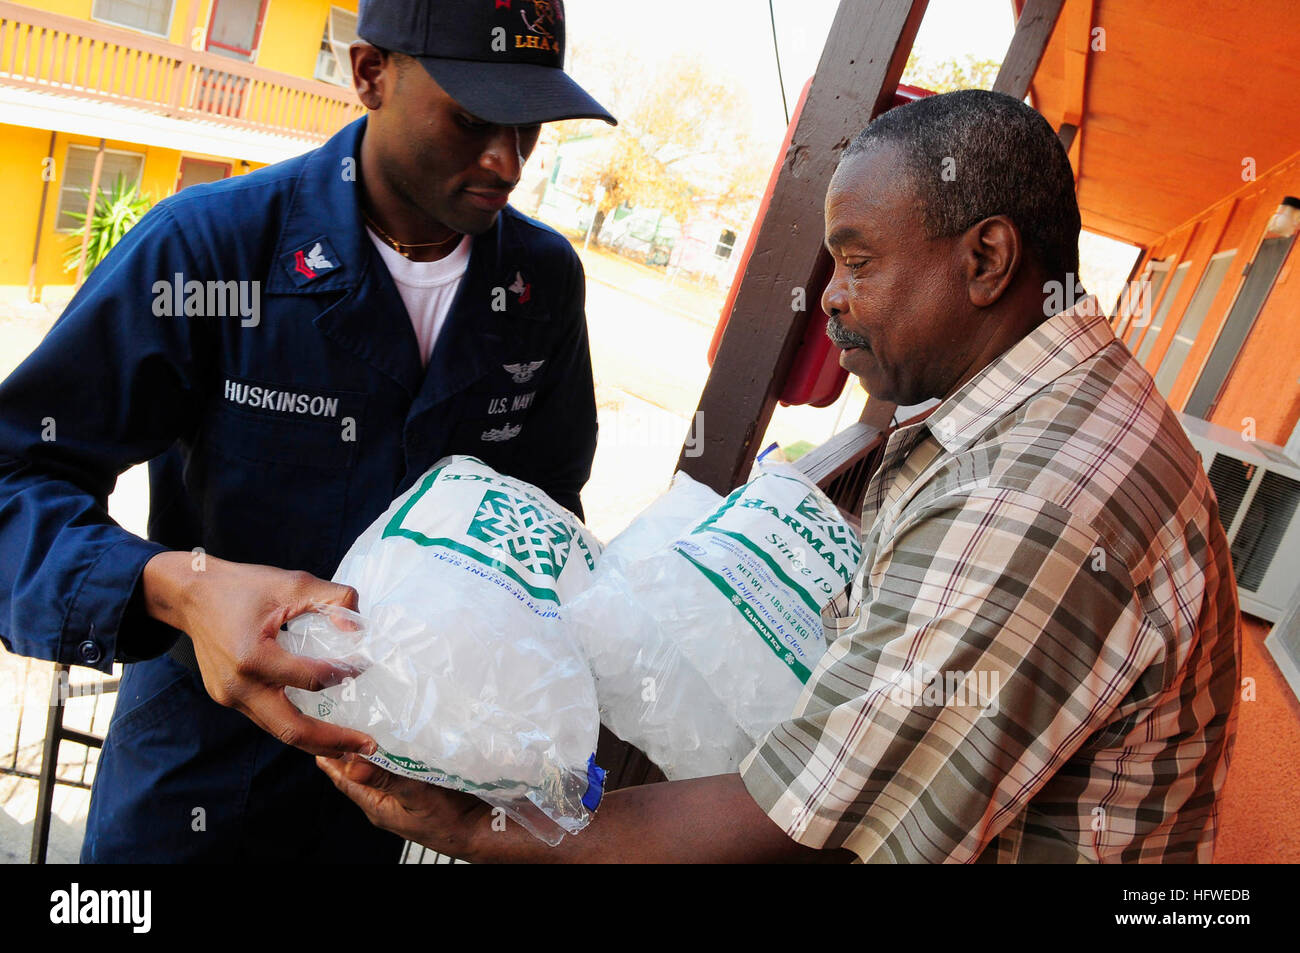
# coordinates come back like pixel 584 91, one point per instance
pixel 856 79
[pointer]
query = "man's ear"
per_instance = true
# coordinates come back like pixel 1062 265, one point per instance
pixel 373 73
pixel 992 253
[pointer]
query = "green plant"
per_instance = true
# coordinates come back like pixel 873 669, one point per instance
pixel 116 210
pixel 797 450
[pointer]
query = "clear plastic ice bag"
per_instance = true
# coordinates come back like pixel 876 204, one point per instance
pixel 468 676
pixel 702 637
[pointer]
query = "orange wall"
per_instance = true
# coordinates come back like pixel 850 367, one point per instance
pixel 21 184
pixel 20 190
pixel 288 42
pixel 291 34
pixel 84 9
pixel 1265 382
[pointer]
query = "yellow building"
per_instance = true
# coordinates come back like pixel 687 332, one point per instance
pixel 166 93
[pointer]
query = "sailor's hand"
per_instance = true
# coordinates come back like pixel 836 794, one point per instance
pixel 233 613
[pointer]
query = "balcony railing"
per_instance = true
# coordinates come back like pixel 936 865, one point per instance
pixel 58 54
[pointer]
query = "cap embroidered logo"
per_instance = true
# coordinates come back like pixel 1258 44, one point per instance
pixel 540 36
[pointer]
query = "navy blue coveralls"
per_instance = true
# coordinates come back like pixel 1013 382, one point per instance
pixel 275 435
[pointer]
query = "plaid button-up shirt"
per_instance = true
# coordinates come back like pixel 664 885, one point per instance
pixel 1038 659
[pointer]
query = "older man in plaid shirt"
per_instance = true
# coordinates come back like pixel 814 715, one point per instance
pixel 1038 659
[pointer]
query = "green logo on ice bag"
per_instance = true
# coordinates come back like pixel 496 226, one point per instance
pixel 777 549
pixel 535 538
pixel 830 522
pixel 523 538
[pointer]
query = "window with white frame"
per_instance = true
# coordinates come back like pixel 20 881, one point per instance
pixel 1142 300
pixel 1189 326
pixel 1158 322
pixel 333 64
pixel 148 16
pixel 79 168
pixel 1256 285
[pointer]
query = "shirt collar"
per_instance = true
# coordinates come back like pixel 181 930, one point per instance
pixel 325 208
pixel 1058 345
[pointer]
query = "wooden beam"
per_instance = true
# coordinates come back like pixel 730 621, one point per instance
pixel 1074 152
pixel 1077 28
pixel 856 79
pixel 1033 30
pixel 1066 134
pixel 827 461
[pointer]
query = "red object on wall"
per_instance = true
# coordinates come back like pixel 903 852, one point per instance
pixel 815 375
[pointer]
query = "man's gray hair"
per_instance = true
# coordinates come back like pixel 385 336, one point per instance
pixel 973 153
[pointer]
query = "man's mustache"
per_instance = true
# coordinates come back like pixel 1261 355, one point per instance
pixel 841 336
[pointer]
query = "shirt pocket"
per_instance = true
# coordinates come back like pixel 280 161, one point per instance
pixel 150 693
pixel 275 489
pixel 840 615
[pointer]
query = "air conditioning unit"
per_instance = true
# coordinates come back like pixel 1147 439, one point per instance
pixel 1258 487
pixel 327 68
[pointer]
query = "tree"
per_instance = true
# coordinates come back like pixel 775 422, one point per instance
pixel 951 74
pixel 682 139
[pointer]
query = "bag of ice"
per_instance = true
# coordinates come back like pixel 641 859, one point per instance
pixel 702 635
pixel 468 676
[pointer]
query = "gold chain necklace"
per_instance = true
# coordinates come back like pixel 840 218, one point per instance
pixel 405 248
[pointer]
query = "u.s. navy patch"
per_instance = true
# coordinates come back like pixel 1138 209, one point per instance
pixel 313 260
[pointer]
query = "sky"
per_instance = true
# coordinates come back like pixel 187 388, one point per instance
pixel 736 36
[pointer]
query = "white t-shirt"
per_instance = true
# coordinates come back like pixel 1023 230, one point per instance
pixel 427 288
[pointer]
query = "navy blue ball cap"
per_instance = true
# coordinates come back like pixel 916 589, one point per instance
pixel 502 60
